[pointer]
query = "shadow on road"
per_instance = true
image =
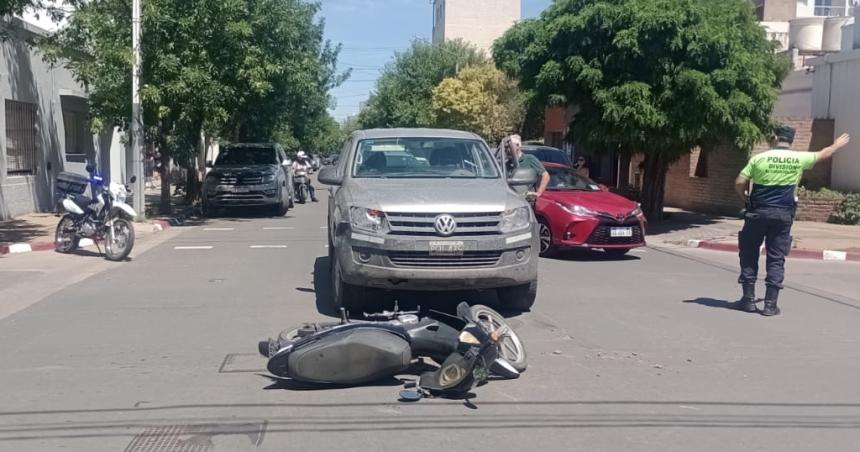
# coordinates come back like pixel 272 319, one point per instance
pixel 714 303
pixel 588 255
pixel 378 300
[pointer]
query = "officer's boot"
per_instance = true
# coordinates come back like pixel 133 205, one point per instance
pixel 747 301
pixel 770 299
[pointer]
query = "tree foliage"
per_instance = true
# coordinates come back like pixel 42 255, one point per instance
pixel 652 76
pixel 404 91
pixel 249 70
pixel 479 99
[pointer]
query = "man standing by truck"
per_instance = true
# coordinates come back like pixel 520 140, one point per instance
pixel 529 161
pixel 767 185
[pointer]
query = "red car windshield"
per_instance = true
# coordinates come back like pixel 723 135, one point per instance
pixel 567 179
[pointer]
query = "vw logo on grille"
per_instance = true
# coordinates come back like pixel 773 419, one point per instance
pixel 445 225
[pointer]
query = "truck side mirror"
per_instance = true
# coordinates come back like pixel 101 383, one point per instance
pixel 329 176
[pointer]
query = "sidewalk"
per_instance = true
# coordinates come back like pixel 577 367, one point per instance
pixel 811 240
pixel 35 231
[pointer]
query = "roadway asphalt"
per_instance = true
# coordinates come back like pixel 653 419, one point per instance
pixel 159 354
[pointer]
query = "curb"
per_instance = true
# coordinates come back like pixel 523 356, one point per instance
pixel 799 253
pixel 27 247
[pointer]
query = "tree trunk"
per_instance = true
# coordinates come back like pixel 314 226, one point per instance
pixel 654 185
pixel 165 208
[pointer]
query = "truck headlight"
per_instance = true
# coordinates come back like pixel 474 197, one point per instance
pixel 268 178
pixel 515 219
pixel 364 219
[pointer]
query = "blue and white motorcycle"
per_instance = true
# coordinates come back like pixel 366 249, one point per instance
pixel 104 218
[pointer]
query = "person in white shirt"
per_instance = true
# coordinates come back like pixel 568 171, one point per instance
pixel 303 163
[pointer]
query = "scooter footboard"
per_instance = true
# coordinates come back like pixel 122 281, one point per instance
pixel 351 357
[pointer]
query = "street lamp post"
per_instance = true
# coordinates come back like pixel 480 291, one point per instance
pixel 137 116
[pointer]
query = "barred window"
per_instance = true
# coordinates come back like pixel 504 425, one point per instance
pixel 21 118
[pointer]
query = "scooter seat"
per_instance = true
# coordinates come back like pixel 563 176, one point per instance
pixel 352 357
pixel 82 201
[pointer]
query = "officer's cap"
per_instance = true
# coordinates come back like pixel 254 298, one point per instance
pixel 785 133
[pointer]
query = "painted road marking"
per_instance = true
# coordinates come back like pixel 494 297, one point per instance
pixel 192 247
pixel 259 247
pixel 279 228
pixel 217 229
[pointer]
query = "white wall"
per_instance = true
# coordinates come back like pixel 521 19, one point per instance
pixel 480 22
pixel 836 95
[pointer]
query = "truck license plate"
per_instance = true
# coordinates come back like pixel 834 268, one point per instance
pixel 621 232
pixel 241 189
pixel 446 248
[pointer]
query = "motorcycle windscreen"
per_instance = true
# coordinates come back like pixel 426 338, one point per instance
pixel 353 357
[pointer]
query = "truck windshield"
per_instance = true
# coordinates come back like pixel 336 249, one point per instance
pixel 246 155
pixel 423 158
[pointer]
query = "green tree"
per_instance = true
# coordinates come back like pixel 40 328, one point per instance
pixel 480 99
pixel 404 91
pixel 239 69
pixel 652 76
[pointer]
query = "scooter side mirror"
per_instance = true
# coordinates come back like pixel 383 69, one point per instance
pixel 133 179
pixel 465 312
pixel 90 168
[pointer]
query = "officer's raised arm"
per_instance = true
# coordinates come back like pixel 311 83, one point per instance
pixel 828 152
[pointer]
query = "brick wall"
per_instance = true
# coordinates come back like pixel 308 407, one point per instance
pixel 715 193
pixel 816 209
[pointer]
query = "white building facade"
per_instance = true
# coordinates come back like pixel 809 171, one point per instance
pixel 479 22
pixel 44 126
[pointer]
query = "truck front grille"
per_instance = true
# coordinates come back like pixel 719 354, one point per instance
pixel 422 224
pixel 423 259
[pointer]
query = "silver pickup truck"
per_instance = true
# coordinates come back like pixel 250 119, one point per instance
pixel 426 209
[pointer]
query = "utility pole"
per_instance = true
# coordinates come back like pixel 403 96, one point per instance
pixel 137 116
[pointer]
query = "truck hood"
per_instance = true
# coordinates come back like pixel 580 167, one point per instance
pixel 433 195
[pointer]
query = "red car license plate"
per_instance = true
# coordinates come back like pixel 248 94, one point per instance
pixel 621 232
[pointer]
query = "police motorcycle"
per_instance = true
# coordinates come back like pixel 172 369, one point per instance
pixel 468 347
pixel 105 217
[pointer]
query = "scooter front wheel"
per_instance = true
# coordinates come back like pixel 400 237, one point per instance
pixel 510 346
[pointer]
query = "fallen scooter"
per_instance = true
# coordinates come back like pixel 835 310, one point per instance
pixel 469 347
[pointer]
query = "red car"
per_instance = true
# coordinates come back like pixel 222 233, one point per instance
pixel 576 212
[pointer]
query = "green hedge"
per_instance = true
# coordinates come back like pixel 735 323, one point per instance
pixel 848 211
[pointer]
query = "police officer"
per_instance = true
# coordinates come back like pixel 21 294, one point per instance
pixel 767 185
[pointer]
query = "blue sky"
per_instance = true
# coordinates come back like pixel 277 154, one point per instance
pixel 371 31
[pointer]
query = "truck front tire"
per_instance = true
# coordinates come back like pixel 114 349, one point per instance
pixel 518 298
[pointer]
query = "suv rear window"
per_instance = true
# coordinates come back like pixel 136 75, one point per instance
pixel 247 155
pixel 420 158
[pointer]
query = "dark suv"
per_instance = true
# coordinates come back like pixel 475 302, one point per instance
pixel 246 174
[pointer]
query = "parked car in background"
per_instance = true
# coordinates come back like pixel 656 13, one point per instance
pixel 425 209
pixel 576 212
pixel 249 174
pixel 548 154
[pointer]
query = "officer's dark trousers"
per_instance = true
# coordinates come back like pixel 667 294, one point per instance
pixel 773 227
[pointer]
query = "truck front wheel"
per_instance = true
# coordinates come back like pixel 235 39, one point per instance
pixel 518 298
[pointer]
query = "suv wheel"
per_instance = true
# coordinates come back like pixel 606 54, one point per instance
pixel 518 298
pixel 344 295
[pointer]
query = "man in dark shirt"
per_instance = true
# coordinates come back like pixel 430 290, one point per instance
pixel 767 185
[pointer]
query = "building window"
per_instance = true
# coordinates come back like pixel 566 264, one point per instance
pixel 79 140
pixel 21 129
pixel 698 163
pixel 759 10
pixel 826 8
